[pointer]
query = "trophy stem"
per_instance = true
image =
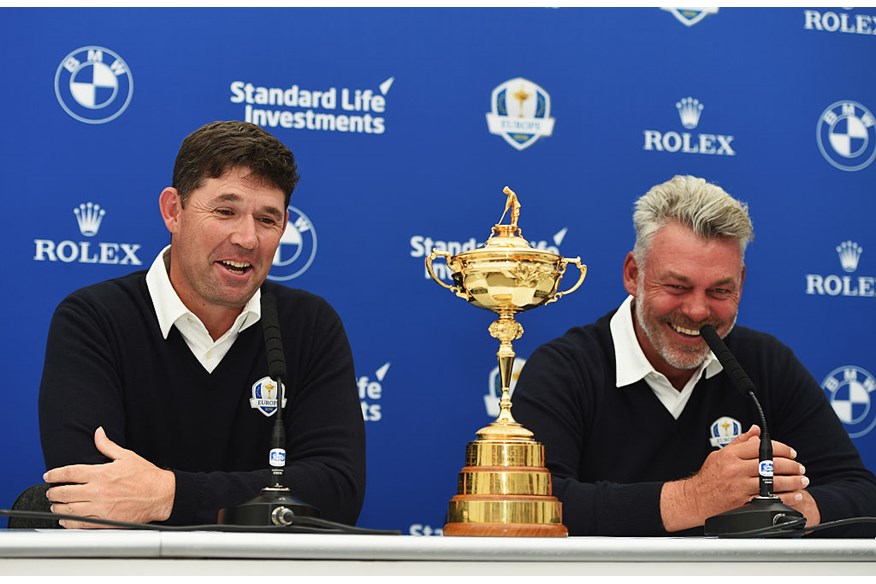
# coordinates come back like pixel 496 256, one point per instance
pixel 505 330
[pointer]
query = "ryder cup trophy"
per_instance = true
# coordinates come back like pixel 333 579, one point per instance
pixel 504 488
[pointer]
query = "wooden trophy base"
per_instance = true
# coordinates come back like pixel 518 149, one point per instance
pixel 504 530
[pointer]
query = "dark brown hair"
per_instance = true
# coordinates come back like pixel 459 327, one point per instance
pixel 217 147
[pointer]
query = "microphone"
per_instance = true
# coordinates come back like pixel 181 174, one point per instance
pixel 277 371
pixel 766 510
pixel 274 505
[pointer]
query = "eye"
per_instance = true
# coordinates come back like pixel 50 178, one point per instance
pixel 269 221
pixel 224 212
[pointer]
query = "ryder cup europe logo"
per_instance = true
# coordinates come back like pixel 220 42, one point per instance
pixel 850 389
pixel 847 136
pixel 93 85
pixel 297 248
pixel 723 431
pixel 690 16
pixel 521 113
pixel 264 396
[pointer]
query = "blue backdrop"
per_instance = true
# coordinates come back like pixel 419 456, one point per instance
pixel 407 124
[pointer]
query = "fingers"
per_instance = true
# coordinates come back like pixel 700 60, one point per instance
pixel 790 483
pixel 781 450
pixel 791 499
pixel 803 502
pixel 747 446
pixel 75 473
pixel 754 430
pixel 106 446
pixel 784 466
pixel 68 494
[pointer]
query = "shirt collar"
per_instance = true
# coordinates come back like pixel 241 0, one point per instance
pixel 169 308
pixel 630 361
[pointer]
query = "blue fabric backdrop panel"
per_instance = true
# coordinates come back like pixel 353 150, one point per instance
pixel 407 124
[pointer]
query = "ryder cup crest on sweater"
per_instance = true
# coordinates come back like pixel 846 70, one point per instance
pixel 723 431
pixel 264 396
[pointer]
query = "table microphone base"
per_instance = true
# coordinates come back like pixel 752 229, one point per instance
pixel 272 506
pixel 759 513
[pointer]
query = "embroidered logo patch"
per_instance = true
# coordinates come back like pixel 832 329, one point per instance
pixel 724 430
pixel 264 396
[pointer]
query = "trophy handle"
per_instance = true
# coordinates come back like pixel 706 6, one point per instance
pixel 432 257
pixel 581 267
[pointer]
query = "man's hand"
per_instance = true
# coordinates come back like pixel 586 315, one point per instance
pixel 729 479
pixel 130 488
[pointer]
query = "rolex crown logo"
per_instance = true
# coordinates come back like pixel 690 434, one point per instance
pixel 89 215
pixel 689 109
pixel 849 254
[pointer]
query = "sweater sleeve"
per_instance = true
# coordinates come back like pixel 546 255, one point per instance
pixel 80 387
pixel 554 399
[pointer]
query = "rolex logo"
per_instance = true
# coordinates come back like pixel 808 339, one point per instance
pixel 689 109
pixel 89 215
pixel 849 254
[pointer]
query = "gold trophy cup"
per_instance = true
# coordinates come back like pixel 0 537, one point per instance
pixel 504 488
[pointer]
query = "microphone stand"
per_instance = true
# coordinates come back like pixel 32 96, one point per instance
pixel 275 504
pixel 766 510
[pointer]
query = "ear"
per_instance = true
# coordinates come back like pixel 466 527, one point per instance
pixel 170 206
pixel 286 220
pixel 741 280
pixel 631 274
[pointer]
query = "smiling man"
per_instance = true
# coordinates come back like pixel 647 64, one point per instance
pixel 155 402
pixel 643 434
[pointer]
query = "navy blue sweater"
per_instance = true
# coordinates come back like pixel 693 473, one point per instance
pixel 611 449
pixel 108 365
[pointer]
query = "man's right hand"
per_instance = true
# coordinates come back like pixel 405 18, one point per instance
pixel 129 488
pixel 728 479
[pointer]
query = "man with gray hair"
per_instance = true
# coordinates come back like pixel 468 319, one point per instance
pixel 641 433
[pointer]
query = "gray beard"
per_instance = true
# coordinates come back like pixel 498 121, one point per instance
pixel 677 359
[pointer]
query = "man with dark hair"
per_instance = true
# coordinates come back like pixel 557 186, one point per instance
pixel 155 402
pixel 643 434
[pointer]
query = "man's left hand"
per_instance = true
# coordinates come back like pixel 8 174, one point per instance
pixel 129 488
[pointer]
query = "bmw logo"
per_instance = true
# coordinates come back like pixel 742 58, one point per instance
pixel 93 85
pixel 850 391
pixel 846 135
pixel 297 248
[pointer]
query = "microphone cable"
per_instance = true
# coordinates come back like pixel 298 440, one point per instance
pixel 303 524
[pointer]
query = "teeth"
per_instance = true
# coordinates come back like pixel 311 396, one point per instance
pixel 238 265
pixel 685 331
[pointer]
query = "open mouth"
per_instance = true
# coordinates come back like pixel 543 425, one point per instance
pixel 238 268
pixel 684 331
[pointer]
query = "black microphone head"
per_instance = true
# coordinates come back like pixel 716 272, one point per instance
pixel 710 335
pixel 273 341
pixel 740 379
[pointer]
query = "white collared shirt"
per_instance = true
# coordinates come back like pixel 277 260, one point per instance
pixel 632 365
pixel 172 312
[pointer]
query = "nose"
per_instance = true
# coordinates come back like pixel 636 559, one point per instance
pixel 696 306
pixel 244 233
